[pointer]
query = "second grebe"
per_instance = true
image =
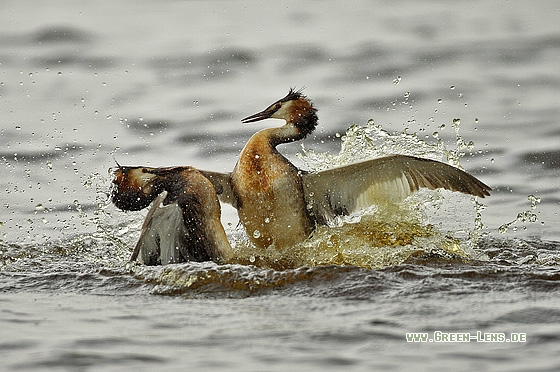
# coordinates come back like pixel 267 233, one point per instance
pixel 279 204
pixel 183 223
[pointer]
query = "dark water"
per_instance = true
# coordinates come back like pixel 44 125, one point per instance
pixel 167 83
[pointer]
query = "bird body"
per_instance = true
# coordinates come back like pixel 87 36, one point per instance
pixel 267 186
pixel 270 195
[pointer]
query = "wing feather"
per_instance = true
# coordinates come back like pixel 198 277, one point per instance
pixel 345 189
pixel 222 184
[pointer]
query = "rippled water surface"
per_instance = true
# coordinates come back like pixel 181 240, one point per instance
pixel 166 83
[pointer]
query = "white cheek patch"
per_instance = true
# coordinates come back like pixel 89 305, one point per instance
pixel 283 112
pixel 144 177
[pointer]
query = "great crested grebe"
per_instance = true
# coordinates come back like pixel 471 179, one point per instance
pixel 184 221
pixel 280 204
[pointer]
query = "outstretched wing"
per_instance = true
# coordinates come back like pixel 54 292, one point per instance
pixel 345 189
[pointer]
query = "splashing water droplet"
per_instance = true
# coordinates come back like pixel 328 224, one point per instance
pixel 525 216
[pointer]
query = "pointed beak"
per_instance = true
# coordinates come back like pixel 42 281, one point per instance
pixel 258 116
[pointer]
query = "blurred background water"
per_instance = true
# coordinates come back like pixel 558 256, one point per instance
pixel 83 84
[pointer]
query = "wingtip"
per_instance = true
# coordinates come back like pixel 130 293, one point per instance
pixel 482 188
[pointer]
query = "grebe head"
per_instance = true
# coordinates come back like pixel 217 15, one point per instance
pixel 134 188
pixel 295 108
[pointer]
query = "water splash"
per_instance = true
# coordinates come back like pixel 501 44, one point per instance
pixel 384 235
pixel 387 238
pixel 370 141
pixel 522 217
